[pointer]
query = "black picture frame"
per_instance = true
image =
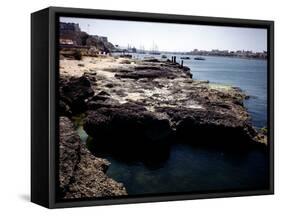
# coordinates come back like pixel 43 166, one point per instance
pixel 44 101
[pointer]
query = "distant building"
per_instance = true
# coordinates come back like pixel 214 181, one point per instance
pixel 66 41
pixel 69 27
pixel 238 53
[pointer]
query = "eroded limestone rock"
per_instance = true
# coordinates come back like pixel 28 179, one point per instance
pixel 81 174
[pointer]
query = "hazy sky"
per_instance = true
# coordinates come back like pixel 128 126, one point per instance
pixel 174 37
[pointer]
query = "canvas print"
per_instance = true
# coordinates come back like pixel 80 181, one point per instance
pixel 151 108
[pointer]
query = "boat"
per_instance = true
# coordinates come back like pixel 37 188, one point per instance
pixel 199 58
pixel 164 56
pixel 155 53
pixel 125 56
pixel 185 58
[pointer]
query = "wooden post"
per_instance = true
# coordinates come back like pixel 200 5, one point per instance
pixel 181 63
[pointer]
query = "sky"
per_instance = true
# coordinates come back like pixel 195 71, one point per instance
pixel 174 37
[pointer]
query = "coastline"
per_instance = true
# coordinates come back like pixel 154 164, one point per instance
pixel 193 55
pixel 160 95
pixel 228 56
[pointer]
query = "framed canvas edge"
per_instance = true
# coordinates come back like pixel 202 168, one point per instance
pixel 55 11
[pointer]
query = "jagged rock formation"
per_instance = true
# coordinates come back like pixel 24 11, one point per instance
pixel 82 175
pixel 152 71
pixel 74 93
pixel 140 102
pixel 99 43
pixel 136 109
pixel 127 122
pixel 71 34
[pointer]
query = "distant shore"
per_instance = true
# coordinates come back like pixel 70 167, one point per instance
pixel 194 55
pixel 229 56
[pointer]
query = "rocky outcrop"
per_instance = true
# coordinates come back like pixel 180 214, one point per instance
pixel 211 128
pixel 157 70
pixel 75 93
pixel 141 105
pixel 99 43
pixel 148 102
pixel 72 34
pixel 128 131
pixel 127 123
pixel 132 127
pixel 81 174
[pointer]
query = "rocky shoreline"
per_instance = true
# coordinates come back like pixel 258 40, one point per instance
pixel 81 174
pixel 139 108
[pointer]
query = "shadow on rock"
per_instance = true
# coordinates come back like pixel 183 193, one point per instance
pixel 152 155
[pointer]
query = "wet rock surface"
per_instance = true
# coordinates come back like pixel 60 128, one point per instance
pixel 81 174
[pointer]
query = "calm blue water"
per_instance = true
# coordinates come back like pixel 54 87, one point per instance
pixel 190 169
